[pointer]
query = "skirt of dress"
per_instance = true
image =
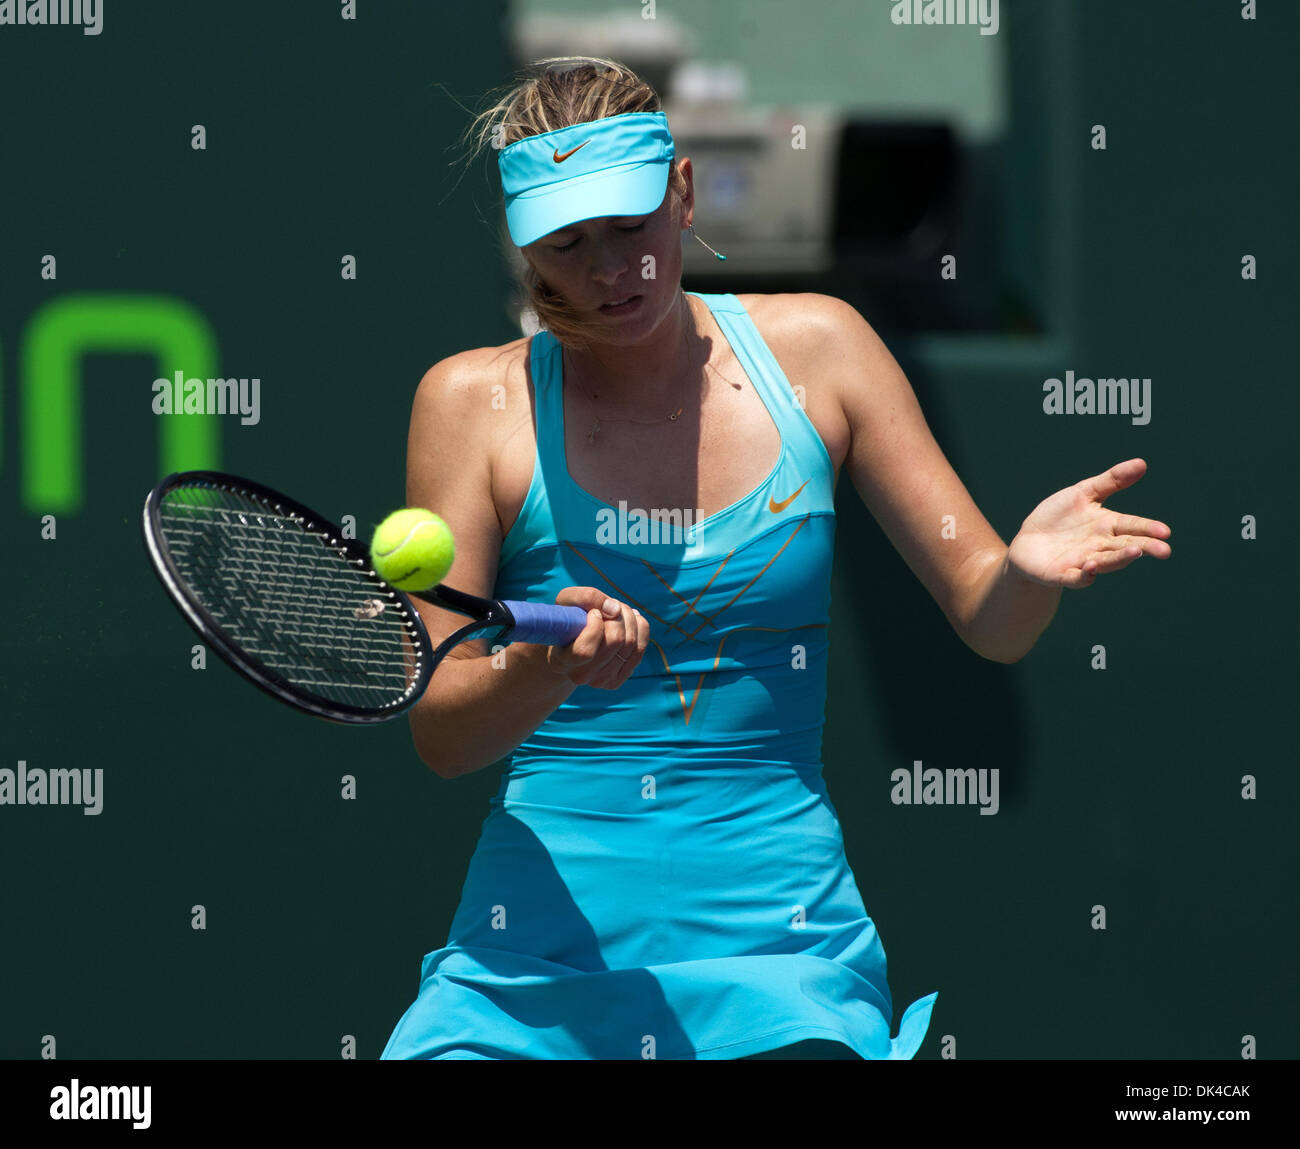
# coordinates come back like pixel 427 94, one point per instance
pixel 658 931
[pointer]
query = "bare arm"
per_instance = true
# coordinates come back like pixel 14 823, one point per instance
pixel 477 708
pixel 473 713
pixel 914 494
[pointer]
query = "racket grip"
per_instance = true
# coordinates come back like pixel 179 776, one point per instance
pixel 547 625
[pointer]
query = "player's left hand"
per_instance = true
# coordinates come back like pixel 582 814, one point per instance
pixel 1070 538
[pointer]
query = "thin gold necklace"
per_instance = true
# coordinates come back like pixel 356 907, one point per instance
pixel 595 427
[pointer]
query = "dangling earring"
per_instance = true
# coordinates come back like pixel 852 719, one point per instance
pixel 694 236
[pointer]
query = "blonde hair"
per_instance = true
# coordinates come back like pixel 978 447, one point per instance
pixel 559 92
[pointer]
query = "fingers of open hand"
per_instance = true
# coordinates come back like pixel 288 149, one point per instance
pixel 1116 557
pixel 1113 479
pixel 1146 533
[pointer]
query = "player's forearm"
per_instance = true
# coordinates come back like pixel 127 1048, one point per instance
pixel 475 713
pixel 1005 613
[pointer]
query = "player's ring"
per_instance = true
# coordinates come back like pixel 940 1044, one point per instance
pixel 619 657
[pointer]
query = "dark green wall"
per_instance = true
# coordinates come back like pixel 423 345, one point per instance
pixel 1119 787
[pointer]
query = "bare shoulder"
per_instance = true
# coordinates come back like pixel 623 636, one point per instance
pixel 463 411
pixel 473 412
pixel 482 392
pixel 460 403
pixel 827 343
pixel 466 376
pixel 811 336
pixel 805 322
pixel 820 341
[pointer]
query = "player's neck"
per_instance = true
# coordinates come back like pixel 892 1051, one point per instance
pixel 644 376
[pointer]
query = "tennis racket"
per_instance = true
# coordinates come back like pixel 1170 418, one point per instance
pixel 298 610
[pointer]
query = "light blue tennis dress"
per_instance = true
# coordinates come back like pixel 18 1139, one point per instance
pixel 662 872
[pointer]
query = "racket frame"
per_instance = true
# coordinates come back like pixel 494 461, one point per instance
pixel 492 618
pixel 261 676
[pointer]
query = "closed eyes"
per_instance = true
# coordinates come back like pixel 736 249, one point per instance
pixel 570 246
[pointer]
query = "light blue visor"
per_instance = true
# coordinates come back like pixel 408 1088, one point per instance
pixel 613 166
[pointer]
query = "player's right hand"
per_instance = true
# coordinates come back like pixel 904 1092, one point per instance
pixel 609 647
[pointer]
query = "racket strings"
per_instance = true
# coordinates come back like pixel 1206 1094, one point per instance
pixel 292 597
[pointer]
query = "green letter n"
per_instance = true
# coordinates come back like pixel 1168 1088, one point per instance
pixel 57 337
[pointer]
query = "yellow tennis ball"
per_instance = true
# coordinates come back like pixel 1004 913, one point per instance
pixel 412 549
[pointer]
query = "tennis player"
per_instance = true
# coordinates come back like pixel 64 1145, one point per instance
pixel 662 872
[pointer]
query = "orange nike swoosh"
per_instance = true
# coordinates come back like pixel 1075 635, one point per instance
pixel 777 508
pixel 559 159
